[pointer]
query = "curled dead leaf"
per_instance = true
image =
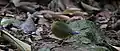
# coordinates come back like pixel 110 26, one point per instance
pixel 88 7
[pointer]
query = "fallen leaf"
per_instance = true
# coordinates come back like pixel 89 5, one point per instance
pixel 6 21
pixel 88 7
pixel 71 10
pixel 14 41
pixel 118 48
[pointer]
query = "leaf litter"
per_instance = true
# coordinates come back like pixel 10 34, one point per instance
pixel 28 25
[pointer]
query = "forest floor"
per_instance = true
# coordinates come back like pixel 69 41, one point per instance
pixel 26 25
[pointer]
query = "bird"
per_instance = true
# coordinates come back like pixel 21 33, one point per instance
pixel 62 30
